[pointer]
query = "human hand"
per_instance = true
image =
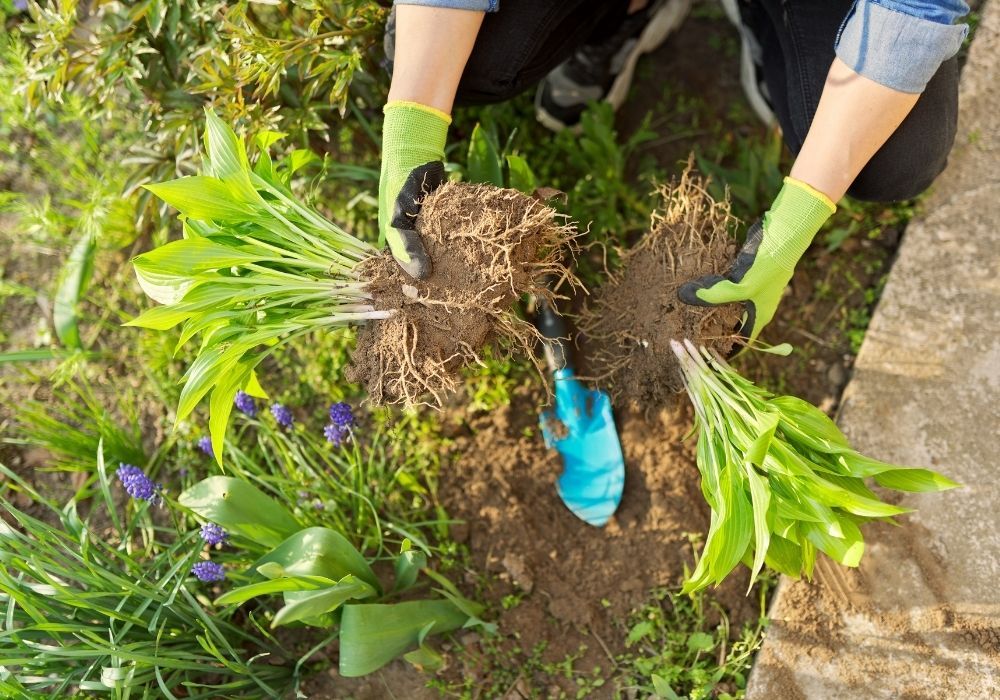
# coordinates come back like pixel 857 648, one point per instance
pixel 413 139
pixel 765 264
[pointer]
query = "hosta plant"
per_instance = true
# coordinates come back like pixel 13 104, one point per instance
pixel 255 269
pixel 325 581
pixel 780 477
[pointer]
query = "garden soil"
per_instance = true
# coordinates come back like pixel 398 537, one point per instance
pixel 488 246
pixel 629 324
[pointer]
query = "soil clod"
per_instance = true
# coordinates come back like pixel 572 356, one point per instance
pixel 631 320
pixel 488 246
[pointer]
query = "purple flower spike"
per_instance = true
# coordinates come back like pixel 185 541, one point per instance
pixel 205 445
pixel 335 434
pixel 245 403
pixel 208 571
pixel 282 415
pixel 213 534
pixel 342 415
pixel 138 485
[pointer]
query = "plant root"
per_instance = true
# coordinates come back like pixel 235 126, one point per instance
pixel 629 322
pixel 489 246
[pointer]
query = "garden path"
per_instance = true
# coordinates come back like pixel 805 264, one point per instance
pixel 921 617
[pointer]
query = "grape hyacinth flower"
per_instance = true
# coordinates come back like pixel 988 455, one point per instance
pixel 213 534
pixel 208 571
pixel 335 434
pixel 138 485
pixel 245 403
pixel 282 415
pixel 341 414
pixel 205 445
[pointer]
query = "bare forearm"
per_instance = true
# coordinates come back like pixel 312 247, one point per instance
pixel 433 45
pixel 854 118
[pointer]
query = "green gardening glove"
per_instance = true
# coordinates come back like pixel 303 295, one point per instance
pixel 765 264
pixel 413 138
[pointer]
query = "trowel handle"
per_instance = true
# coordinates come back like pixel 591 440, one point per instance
pixel 553 328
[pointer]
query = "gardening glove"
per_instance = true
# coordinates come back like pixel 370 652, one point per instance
pixel 765 264
pixel 413 138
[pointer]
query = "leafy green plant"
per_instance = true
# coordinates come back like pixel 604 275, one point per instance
pixel 754 179
pixel 106 607
pixel 325 581
pixel 781 479
pixel 255 269
pixel 675 651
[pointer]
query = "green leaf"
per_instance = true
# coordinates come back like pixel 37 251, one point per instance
pixel 784 556
pixel 241 508
pixel 278 585
pixel 917 480
pixel 639 632
pixel 254 388
pixel 408 566
pixel 662 688
pixel 520 175
pixel 700 641
pixel 373 635
pixel 166 289
pixel 205 198
pixel 161 318
pixel 73 281
pixel 227 157
pixel 187 257
pixel 320 551
pixel 807 419
pixel 735 526
pixel 757 450
pixel 760 496
pixel 265 139
pixel 484 160
pixel 220 406
pixel 847 549
pixel 312 604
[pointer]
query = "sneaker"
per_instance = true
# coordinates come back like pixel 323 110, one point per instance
pixel 604 71
pixel 751 65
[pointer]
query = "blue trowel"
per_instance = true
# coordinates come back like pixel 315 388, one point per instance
pixel 581 427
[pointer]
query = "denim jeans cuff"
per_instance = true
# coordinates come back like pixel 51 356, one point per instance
pixel 897 50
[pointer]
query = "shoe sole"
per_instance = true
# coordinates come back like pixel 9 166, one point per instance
pixel 663 24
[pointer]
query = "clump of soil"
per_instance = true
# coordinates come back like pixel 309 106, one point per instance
pixel 631 320
pixel 488 246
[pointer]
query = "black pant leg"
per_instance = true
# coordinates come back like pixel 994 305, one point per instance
pixel 518 45
pixel 797 37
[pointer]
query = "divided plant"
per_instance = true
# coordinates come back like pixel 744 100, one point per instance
pixel 107 606
pixel 255 269
pixel 781 479
pixel 326 582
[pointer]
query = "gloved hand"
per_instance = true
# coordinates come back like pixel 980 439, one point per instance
pixel 765 264
pixel 413 138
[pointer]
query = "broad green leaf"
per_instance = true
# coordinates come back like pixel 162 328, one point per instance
pixel 241 508
pixel 784 556
pixel 304 605
pixel 917 480
pixel 278 585
pixel 760 496
pixel 661 686
pixel 409 562
pixel 700 641
pixel 373 635
pixel 847 549
pixel 320 551
pixel 190 256
pixel 807 419
pixel 227 155
pixel 735 526
pixel 220 406
pixel 639 632
pixel 254 388
pixel 762 442
pixel 484 160
pixel 203 374
pixel 205 198
pixel 161 318
pixel 164 288
pixel 267 138
pixel 520 175
pixel 73 281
